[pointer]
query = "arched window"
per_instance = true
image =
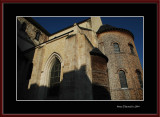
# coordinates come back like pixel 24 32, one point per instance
pixel 139 78
pixel 123 80
pixel 55 72
pixel 116 48
pixel 131 48
pixel 54 79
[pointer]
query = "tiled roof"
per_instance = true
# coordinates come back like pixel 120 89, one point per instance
pixel 97 52
pixel 106 28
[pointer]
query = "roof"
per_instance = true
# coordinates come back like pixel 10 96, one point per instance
pixel 106 28
pixel 31 20
pixel 97 52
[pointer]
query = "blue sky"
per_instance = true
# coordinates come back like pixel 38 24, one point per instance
pixel 133 24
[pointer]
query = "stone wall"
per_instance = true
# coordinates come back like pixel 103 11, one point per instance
pixel 76 83
pixel 84 76
pixel 40 77
pixel 29 87
pixel 100 81
pixel 31 31
pixel 75 67
pixel 24 62
pixel 123 60
pixel 92 37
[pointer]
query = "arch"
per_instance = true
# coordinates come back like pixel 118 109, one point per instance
pixel 115 42
pixel 48 67
pixel 123 80
pixel 45 76
pixel 122 70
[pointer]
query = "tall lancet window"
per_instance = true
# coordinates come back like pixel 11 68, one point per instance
pixel 54 79
pixel 139 78
pixel 55 73
pixel 123 80
pixel 131 48
pixel 116 48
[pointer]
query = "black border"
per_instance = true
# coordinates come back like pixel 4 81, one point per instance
pixel 149 11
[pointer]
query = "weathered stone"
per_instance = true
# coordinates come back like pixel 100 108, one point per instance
pixel 83 75
pixel 123 60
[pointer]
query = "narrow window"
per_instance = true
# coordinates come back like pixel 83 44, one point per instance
pixel 131 48
pixel 123 80
pixel 55 79
pixel 139 78
pixel 38 33
pixel 55 73
pixel 116 48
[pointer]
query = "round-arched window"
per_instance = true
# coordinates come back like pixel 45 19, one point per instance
pixel 116 48
pixel 123 80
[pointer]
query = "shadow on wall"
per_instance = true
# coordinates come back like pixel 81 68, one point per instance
pixel 100 92
pixel 24 71
pixel 24 60
pixel 74 86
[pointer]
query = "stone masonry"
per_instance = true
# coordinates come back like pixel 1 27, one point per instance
pixel 89 65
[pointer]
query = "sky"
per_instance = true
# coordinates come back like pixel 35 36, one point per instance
pixel 133 24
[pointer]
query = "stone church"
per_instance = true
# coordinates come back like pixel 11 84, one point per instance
pixel 85 61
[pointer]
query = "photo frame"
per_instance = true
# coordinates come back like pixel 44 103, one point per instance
pixel 11 107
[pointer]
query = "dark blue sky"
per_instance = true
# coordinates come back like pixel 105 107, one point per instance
pixel 133 24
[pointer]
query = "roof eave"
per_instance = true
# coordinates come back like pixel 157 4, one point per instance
pixel 116 29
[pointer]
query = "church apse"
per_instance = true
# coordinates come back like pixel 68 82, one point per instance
pixel 86 61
